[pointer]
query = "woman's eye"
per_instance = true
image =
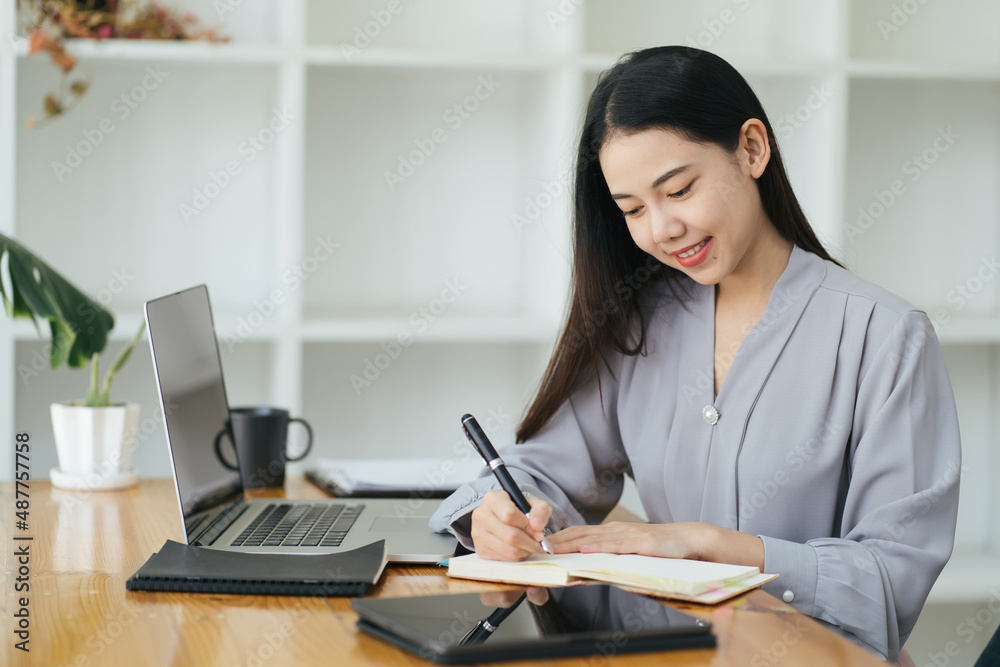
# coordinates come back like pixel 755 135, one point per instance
pixel 680 193
pixel 631 212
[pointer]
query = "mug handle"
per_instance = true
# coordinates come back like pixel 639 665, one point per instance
pixel 309 443
pixel 218 450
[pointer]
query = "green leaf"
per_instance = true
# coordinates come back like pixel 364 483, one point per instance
pixel 79 326
pixel 17 306
pixel 63 338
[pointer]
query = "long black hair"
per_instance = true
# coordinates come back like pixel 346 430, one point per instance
pixel 700 97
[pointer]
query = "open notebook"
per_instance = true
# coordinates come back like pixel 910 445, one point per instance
pixel 676 578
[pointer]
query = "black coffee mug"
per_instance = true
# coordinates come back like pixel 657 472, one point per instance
pixel 260 435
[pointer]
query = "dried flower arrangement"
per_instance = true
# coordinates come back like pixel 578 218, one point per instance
pixel 51 22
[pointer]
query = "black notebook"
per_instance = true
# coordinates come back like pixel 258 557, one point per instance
pixel 183 568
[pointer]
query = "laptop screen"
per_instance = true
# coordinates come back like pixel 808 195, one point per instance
pixel 193 397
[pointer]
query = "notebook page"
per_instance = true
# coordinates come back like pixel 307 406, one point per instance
pixel 542 569
pixel 693 572
pixel 575 561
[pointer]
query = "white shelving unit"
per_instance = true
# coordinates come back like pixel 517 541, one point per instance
pixel 359 257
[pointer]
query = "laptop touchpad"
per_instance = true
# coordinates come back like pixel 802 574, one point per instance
pixel 389 523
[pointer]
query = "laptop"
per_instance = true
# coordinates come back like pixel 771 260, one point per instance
pixel 214 509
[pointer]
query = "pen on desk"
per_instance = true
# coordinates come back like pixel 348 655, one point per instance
pixel 478 438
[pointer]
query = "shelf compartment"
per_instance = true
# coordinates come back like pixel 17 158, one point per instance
pixel 414 205
pixel 959 32
pixel 487 26
pixel 925 152
pixel 725 27
pixel 152 232
pixel 415 395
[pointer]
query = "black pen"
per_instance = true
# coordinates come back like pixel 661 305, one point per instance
pixel 478 438
pixel 486 627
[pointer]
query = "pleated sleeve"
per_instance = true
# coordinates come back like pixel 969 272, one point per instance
pixel 897 527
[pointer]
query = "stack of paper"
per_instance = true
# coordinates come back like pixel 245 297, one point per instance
pixel 375 477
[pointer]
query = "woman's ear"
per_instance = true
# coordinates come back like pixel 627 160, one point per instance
pixel 755 147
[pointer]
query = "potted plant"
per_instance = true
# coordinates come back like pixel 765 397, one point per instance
pixel 94 437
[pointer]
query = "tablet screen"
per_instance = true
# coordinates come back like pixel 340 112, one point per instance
pixel 536 622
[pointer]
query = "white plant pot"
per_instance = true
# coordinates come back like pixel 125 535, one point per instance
pixel 95 445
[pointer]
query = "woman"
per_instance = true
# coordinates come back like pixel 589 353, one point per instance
pixel 773 409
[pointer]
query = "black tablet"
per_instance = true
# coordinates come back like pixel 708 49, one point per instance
pixel 537 623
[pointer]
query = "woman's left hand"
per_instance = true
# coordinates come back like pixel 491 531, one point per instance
pixel 695 540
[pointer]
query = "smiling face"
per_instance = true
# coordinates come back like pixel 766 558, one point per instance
pixel 693 206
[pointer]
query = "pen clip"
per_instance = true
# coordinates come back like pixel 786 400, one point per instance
pixel 470 634
pixel 468 436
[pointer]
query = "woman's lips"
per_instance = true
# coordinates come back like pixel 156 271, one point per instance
pixel 696 254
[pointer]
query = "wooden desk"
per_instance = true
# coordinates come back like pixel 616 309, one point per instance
pixel 85 545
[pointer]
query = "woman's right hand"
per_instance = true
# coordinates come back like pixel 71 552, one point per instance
pixel 500 531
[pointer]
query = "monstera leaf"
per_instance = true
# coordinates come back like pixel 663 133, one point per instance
pixel 79 325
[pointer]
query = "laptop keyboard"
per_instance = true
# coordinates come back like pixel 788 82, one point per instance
pixel 285 525
pixel 219 524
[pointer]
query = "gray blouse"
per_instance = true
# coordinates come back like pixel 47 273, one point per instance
pixel 835 439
